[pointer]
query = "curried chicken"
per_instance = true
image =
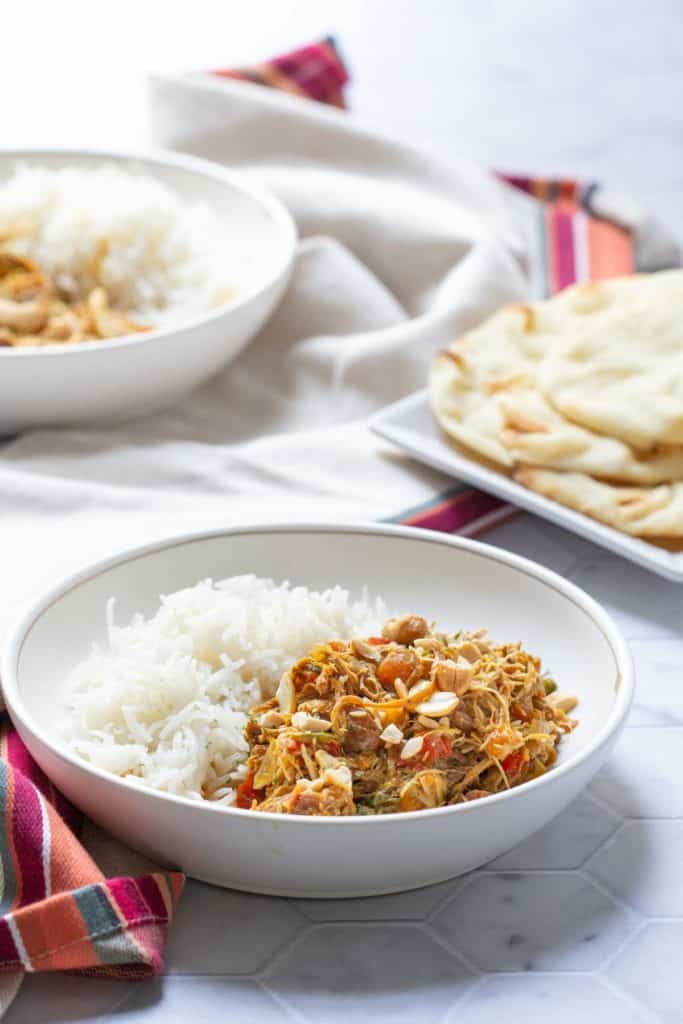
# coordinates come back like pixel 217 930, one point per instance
pixel 409 720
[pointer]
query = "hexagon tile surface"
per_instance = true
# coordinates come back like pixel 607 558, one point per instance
pixel 534 922
pixel 336 971
pixel 582 921
pixel 649 969
pixel 218 931
pixel 642 867
pixel 542 998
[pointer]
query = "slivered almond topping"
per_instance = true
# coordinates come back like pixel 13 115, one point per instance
pixel 401 689
pixel 440 703
pixel 392 734
pixel 420 691
pixel 271 719
pixel 325 759
pixel 565 704
pixel 411 748
pixel 286 694
pixel 302 720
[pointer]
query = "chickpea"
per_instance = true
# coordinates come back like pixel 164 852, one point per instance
pixel 406 630
pixel 396 665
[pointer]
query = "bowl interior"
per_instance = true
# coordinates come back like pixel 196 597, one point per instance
pixel 459 586
pixel 259 236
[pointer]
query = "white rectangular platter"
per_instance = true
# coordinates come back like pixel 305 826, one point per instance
pixel 410 425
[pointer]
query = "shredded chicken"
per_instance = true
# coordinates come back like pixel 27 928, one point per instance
pixel 409 720
pixel 34 311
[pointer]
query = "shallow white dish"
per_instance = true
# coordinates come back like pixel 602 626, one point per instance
pixel 456 581
pixel 410 424
pixel 111 380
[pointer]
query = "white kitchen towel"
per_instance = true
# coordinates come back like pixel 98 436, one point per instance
pixel 400 251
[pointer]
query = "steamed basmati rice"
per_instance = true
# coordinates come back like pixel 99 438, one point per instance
pixel 159 257
pixel 164 701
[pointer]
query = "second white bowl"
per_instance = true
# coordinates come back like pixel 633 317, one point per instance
pixel 112 380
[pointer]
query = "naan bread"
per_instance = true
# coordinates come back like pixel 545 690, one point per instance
pixel 484 392
pixel 639 511
pixel 614 359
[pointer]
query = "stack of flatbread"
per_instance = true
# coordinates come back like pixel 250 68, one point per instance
pixel 580 398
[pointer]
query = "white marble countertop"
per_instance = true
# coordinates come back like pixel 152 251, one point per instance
pixel 586 918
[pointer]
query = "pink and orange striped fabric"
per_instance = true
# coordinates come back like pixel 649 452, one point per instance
pixel 315 72
pixel 576 244
pixel 57 911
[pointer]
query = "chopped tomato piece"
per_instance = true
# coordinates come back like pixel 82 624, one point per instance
pixel 333 748
pixel 436 746
pixel 513 763
pixel 336 645
pixel 246 794
pixel 378 641
pixel 294 746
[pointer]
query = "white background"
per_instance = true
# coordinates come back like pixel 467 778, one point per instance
pixel 589 87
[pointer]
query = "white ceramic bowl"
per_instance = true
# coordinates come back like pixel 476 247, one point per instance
pixel 110 380
pixel 456 581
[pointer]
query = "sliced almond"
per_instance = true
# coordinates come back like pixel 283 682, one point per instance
pixel 401 689
pixel 392 734
pixel 271 719
pixel 565 704
pixel 302 720
pixel 325 759
pixel 440 703
pixel 286 694
pixel 420 692
pixel 267 769
pixel 411 748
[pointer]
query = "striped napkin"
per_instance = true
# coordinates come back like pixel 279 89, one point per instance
pixel 57 911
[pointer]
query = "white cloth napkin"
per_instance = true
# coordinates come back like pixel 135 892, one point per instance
pixel 399 252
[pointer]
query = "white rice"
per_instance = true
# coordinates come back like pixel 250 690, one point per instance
pixel 159 257
pixel 163 702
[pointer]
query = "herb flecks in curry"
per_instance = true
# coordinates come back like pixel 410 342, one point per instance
pixel 405 721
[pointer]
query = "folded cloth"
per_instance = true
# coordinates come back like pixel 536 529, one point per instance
pixel 59 913
pixel 399 252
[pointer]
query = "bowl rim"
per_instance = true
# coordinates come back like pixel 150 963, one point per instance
pixel 624 672
pixel 237 179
